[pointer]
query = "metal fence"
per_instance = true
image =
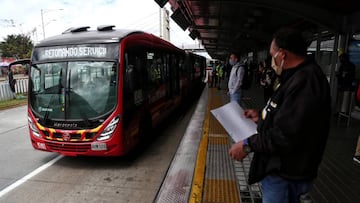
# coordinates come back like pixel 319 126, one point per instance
pixel 21 87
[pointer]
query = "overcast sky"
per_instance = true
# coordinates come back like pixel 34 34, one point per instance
pixel 24 16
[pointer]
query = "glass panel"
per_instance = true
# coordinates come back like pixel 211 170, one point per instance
pixel 47 89
pixel 92 89
pixel 73 90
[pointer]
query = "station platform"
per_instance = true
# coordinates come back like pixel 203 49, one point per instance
pixel 202 170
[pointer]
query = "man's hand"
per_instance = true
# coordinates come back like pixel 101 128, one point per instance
pixel 237 152
pixel 252 114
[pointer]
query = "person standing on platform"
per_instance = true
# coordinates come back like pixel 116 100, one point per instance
pixel 260 71
pixel 214 76
pixel 235 79
pixel 345 77
pixel 267 79
pixel 293 127
pixel 220 73
pixel 346 73
pixel 227 68
pixel 356 157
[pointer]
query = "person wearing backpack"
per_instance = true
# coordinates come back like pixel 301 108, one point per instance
pixel 246 79
pixel 235 79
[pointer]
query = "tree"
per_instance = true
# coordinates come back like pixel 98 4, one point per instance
pixel 18 46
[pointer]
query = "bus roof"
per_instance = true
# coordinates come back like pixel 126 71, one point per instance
pixel 83 36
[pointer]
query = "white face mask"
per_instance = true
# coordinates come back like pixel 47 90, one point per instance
pixel 232 62
pixel 277 69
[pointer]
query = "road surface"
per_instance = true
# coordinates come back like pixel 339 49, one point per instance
pixel 27 175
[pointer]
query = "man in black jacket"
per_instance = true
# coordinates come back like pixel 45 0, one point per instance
pixel 292 127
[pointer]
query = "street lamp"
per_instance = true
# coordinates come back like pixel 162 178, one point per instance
pixel 43 11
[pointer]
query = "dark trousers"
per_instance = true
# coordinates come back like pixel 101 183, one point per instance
pixel 214 80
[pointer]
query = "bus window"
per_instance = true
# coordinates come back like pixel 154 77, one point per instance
pixel 166 68
pixel 174 74
pixel 166 74
pixel 182 67
pixel 48 86
pixel 130 78
pixel 154 69
pixel 53 73
pixel 35 82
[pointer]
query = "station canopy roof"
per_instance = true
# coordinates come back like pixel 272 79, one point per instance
pixel 223 26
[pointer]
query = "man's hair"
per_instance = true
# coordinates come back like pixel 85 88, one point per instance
pixel 291 40
pixel 235 54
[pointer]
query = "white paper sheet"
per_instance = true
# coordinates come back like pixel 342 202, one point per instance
pixel 231 117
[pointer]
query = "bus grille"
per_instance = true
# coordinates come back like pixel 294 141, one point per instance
pixel 68 147
pixel 74 137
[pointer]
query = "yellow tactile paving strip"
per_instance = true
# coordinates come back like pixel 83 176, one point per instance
pixel 222 140
pixel 214 178
pixel 221 191
pixel 199 173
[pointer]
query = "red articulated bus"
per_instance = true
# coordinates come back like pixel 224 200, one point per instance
pixel 99 92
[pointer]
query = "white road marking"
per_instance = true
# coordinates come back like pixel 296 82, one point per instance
pixel 29 176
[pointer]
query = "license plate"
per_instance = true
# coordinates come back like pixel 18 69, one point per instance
pixel 41 145
pixel 98 146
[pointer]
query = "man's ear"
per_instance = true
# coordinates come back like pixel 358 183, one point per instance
pixel 283 54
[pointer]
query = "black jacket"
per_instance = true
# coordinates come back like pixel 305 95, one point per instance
pixel 293 127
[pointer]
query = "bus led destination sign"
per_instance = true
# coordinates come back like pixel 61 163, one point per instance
pixel 110 51
pixel 74 52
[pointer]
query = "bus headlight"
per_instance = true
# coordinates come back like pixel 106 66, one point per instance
pixel 33 128
pixel 108 131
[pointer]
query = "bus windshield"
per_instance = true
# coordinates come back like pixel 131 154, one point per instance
pixel 75 90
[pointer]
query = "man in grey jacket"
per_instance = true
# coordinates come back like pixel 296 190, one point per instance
pixel 235 79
